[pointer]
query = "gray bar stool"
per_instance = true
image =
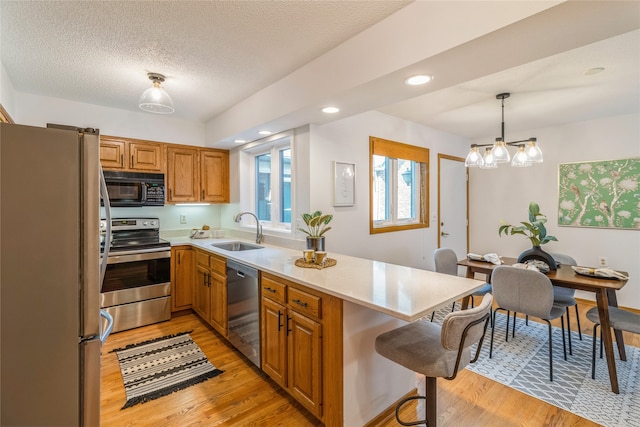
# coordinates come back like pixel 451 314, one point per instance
pixel 436 351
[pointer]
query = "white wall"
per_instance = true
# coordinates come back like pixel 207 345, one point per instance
pixel 348 141
pixel 505 193
pixel 7 92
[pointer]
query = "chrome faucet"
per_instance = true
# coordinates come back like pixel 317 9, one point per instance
pixel 259 235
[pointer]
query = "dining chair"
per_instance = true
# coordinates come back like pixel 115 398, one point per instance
pixel 565 297
pixel 436 351
pixel 620 319
pixel 446 262
pixel 529 292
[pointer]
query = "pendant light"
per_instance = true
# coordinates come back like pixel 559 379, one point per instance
pixel 526 155
pixel 156 99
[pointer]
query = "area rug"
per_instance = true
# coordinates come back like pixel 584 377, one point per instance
pixel 161 366
pixel 522 363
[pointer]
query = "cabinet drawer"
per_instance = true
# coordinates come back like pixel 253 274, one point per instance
pixel 305 303
pixel 273 290
pixel 218 265
pixel 202 258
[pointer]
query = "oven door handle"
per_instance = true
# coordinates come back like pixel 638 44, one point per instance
pixel 118 259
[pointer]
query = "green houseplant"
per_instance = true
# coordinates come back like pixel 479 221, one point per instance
pixel 317 224
pixel 536 232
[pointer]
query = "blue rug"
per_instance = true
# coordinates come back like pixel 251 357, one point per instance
pixel 523 364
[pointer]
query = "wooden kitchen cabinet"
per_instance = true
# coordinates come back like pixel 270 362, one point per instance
pixel 133 155
pixel 197 175
pixel 182 277
pixel 291 340
pixel 210 290
pixel 218 281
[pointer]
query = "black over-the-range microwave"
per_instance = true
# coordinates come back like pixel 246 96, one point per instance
pixel 132 189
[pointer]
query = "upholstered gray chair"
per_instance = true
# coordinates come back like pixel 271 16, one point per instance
pixel 528 292
pixel 446 262
pixel 620 319
pixel 436 351
pixel 565 297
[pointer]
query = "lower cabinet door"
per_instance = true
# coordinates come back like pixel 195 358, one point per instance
pixel 305 361
pixel 273 345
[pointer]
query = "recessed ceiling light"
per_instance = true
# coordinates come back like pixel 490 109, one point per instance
pixel 239 141
pixel 594 70
pixel 330 110
pixel 418 80
pixel 265 132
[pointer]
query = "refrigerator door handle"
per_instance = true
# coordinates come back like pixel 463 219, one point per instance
pixel 107 239
pixel 107 331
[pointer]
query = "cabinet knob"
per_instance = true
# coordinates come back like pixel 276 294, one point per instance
pixel 268 289
pixel 297 301
pixel 280 325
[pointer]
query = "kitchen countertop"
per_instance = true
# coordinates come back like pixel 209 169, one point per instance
pixel 402 292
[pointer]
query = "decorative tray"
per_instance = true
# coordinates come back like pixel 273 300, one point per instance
pixel 330 262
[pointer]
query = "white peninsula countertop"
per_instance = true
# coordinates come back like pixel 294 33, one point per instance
pixel 402 292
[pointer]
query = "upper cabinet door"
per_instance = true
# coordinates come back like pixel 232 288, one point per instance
pixel 112 153
pixel 182 175
pixel 214 176
pixel 131 154
pixel 146 157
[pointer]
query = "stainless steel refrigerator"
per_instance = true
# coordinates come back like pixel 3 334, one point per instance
pixel 50 320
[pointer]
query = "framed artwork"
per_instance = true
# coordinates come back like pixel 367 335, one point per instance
pixel 344 184
pixel 600 194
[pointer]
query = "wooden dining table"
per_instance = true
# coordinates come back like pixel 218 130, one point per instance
pixel 605 290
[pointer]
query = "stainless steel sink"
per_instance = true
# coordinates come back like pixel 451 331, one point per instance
pixel 236 246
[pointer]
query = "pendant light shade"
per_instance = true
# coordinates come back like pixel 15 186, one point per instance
pixel 156 99
pixel 520 159
pixel 474 158
pixel 489 162
pixel 526 155
pixel 533 151
pixel 500 152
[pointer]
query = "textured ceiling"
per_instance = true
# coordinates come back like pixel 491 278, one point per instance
pixel 239 66
pixel 213 53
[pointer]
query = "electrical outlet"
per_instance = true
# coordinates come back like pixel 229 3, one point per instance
pixel 603 261
pixel 183 219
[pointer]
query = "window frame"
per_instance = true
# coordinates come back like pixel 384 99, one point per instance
pixel 273 145
pixel 396 150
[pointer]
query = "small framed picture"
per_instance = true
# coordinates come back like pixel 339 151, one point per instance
pixel 344 184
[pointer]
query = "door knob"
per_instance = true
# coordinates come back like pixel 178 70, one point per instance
pixel 442 233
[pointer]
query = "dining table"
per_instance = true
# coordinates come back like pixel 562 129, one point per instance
pixel 564 276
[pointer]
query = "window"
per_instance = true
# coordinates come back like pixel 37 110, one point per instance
pixel 272 185
pixel 399 183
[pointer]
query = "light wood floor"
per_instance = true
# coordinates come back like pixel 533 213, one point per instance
pixel 244 396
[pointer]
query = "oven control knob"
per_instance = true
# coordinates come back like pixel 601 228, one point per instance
pixel 154 223
pixel 146 223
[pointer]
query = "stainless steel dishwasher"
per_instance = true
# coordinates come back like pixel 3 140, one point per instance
pixel 243 309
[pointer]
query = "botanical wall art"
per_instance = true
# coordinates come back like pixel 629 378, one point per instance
pixel 344 192
pixel 603 194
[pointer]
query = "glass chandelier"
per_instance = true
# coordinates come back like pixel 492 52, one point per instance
pixel 528 150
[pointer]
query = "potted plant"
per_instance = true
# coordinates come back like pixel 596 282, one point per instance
pixel 536 232
pixel 317 225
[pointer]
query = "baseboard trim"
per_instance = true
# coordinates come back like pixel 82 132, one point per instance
pixel 389 414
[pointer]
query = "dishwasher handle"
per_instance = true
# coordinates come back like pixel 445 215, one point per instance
pixel 241 270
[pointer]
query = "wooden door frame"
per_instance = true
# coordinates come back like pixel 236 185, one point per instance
pixel 456 159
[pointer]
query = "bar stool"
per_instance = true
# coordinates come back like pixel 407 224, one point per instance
pixel 436 351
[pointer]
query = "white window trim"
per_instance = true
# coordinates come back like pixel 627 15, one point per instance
pixel 263 146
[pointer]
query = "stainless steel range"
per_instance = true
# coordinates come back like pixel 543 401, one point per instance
pixel 137 286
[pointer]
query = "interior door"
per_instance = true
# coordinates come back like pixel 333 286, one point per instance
pixel 453 201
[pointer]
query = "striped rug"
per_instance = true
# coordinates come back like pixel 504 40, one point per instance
pixel 161 366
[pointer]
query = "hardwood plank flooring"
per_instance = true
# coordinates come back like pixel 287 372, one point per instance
pixel 244 396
